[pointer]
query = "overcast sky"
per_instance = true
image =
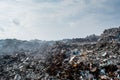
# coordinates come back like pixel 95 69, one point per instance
pixel 56 19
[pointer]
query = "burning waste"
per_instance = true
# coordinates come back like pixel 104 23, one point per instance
pixel 77 59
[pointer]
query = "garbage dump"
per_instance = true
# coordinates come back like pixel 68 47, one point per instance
pixel 88 64
pixel 89 61
pixel 20 67
pixel 98 60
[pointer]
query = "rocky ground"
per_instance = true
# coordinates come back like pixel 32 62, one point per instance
pixel 68 60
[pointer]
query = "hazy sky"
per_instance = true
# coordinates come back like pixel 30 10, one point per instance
pixel 56 19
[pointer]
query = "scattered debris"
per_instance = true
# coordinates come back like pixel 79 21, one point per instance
pixel 68 61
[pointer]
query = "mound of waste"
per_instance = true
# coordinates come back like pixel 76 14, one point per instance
pixel 96 59
pixel 85 62
pixel 21 67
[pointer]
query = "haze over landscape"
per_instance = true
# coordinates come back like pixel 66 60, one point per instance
pixel 59 39
pixel 56 19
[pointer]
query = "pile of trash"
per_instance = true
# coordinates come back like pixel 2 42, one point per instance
pixel 21 67
pixel 88 61
pixel 92 60
pixel 85 62
pixel 110 34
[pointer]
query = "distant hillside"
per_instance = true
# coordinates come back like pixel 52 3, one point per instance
pixel 91 38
